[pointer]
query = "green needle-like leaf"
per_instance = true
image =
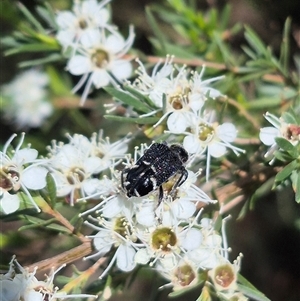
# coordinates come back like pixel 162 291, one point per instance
pixel 128 99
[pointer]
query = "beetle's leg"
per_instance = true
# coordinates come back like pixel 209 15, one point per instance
pixel 183 176
pixel 160 195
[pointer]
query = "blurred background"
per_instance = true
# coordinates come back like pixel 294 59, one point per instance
pixel 268 236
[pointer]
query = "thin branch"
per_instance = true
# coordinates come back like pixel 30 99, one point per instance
pixel 218 66
pixel 242 111
pixel 84 276
pixel 64 258
pixel 45 207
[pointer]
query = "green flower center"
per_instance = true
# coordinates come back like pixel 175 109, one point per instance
pixel 163 239
pixel 205 132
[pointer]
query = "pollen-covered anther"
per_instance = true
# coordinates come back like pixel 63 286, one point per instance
pixel 9 179
pixel 123 228
pixel 76 175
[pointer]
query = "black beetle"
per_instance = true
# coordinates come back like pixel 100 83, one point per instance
pixel 158 164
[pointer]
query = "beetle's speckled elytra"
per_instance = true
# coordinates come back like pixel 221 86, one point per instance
pixel 158 164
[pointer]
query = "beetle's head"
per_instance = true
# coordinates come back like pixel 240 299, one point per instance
pixel 180 151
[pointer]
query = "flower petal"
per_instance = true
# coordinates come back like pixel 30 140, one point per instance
pixel 227 132
pixel 267 135
pixel 9 202
pixel 216 150
pixel 184 209
pixel 65 18
pixel 102 242
pixel 125 258
pixel 25 155
pixel 192 239
pixel 34 177
pixel 191 144
pixel 114 42
pixel 178 122
pixel 112 208
pixel 100 78
pixel 121 69
pixel 79 64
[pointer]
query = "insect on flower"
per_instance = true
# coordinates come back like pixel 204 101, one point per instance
pixel 158 164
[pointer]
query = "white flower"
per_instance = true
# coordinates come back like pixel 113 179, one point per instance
pixel 224 277
pixel 184 95
pixel 25 99
pixel 22 285
pixel 109 153
pixel 21 170
pixel 163 244
pixel 160 244
pixel 119 233
pixel 158 83
pixel 87 16
pixel 281 129
pixel 72 168
pixel 185 98
pixel 212 138
pixel 177 106
pixel 99 60
pixel 183 275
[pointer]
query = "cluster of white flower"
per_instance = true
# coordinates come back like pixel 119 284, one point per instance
pixel 18 284
pixel 169 235
pixel 73 166
pixel 164 228
pixel 97 48
pixel 25 101
pixel 182 96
